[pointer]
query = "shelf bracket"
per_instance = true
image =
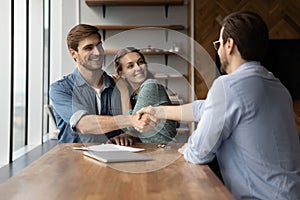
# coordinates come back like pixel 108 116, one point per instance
pixel 103 10
pixel 166 10
pixel 166 59
pixel 103 34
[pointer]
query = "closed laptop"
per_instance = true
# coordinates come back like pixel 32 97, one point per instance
pixel 117 156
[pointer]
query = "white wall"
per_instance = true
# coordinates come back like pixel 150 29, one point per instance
pixel 35 73
pixel 5 52
pixel 64 15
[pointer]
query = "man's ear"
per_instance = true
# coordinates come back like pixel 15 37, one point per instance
pixel 229 45
pixel 73 53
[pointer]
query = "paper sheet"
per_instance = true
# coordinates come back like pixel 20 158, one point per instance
pixel 108 147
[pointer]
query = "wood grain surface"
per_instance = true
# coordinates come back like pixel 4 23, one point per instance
pixel 64 173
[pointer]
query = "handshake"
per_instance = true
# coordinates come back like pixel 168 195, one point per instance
pixel 146 119
pixel 149 118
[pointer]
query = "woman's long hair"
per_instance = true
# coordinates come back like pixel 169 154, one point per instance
pixel 123 52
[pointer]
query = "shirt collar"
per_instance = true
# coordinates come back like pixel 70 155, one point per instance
pixel 247 65
pixel 254 67
pixel 79 80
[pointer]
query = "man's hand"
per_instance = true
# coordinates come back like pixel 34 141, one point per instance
pixel 144 123
pixel 146 110
pixel 182 149
pixel 122 139
pixel 150 113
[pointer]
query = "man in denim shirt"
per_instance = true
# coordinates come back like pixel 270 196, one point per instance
pixel 86 102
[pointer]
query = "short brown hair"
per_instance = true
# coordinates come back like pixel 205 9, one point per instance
pixel 249 32
pixel 79 33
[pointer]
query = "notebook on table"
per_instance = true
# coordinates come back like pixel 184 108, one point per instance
pixel 116 156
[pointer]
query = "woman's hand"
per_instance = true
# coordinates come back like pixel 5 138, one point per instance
pixel 116 77
pixel 122 139
pixel 121 83
pixel 123 87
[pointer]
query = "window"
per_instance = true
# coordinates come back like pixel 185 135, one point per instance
pixel 28 74
pixel 19 74
pixel 46 63
pixel 24 81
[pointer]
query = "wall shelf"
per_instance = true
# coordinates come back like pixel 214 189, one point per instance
pixel 114 51
pixel 128 27
pixel 124 27
pixel 146 52
pixel 169 76
pixel 133 2
pixel 105 3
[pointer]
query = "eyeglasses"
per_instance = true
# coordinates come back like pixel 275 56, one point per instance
pixel 217 44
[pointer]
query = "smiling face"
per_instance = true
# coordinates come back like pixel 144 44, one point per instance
pixel 90 53
pixel 134 69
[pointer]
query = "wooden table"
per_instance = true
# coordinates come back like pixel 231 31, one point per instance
pixel 64 173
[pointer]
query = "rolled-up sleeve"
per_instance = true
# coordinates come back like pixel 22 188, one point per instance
pixel 61 98
pixel 211 117
pixel 76 117
pixel 198 109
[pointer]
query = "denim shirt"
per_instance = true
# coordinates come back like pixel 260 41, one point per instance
pixel 72 98
pixel 247 121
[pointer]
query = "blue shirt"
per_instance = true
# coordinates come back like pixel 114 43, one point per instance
pixel 72 98
pixel 248 122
